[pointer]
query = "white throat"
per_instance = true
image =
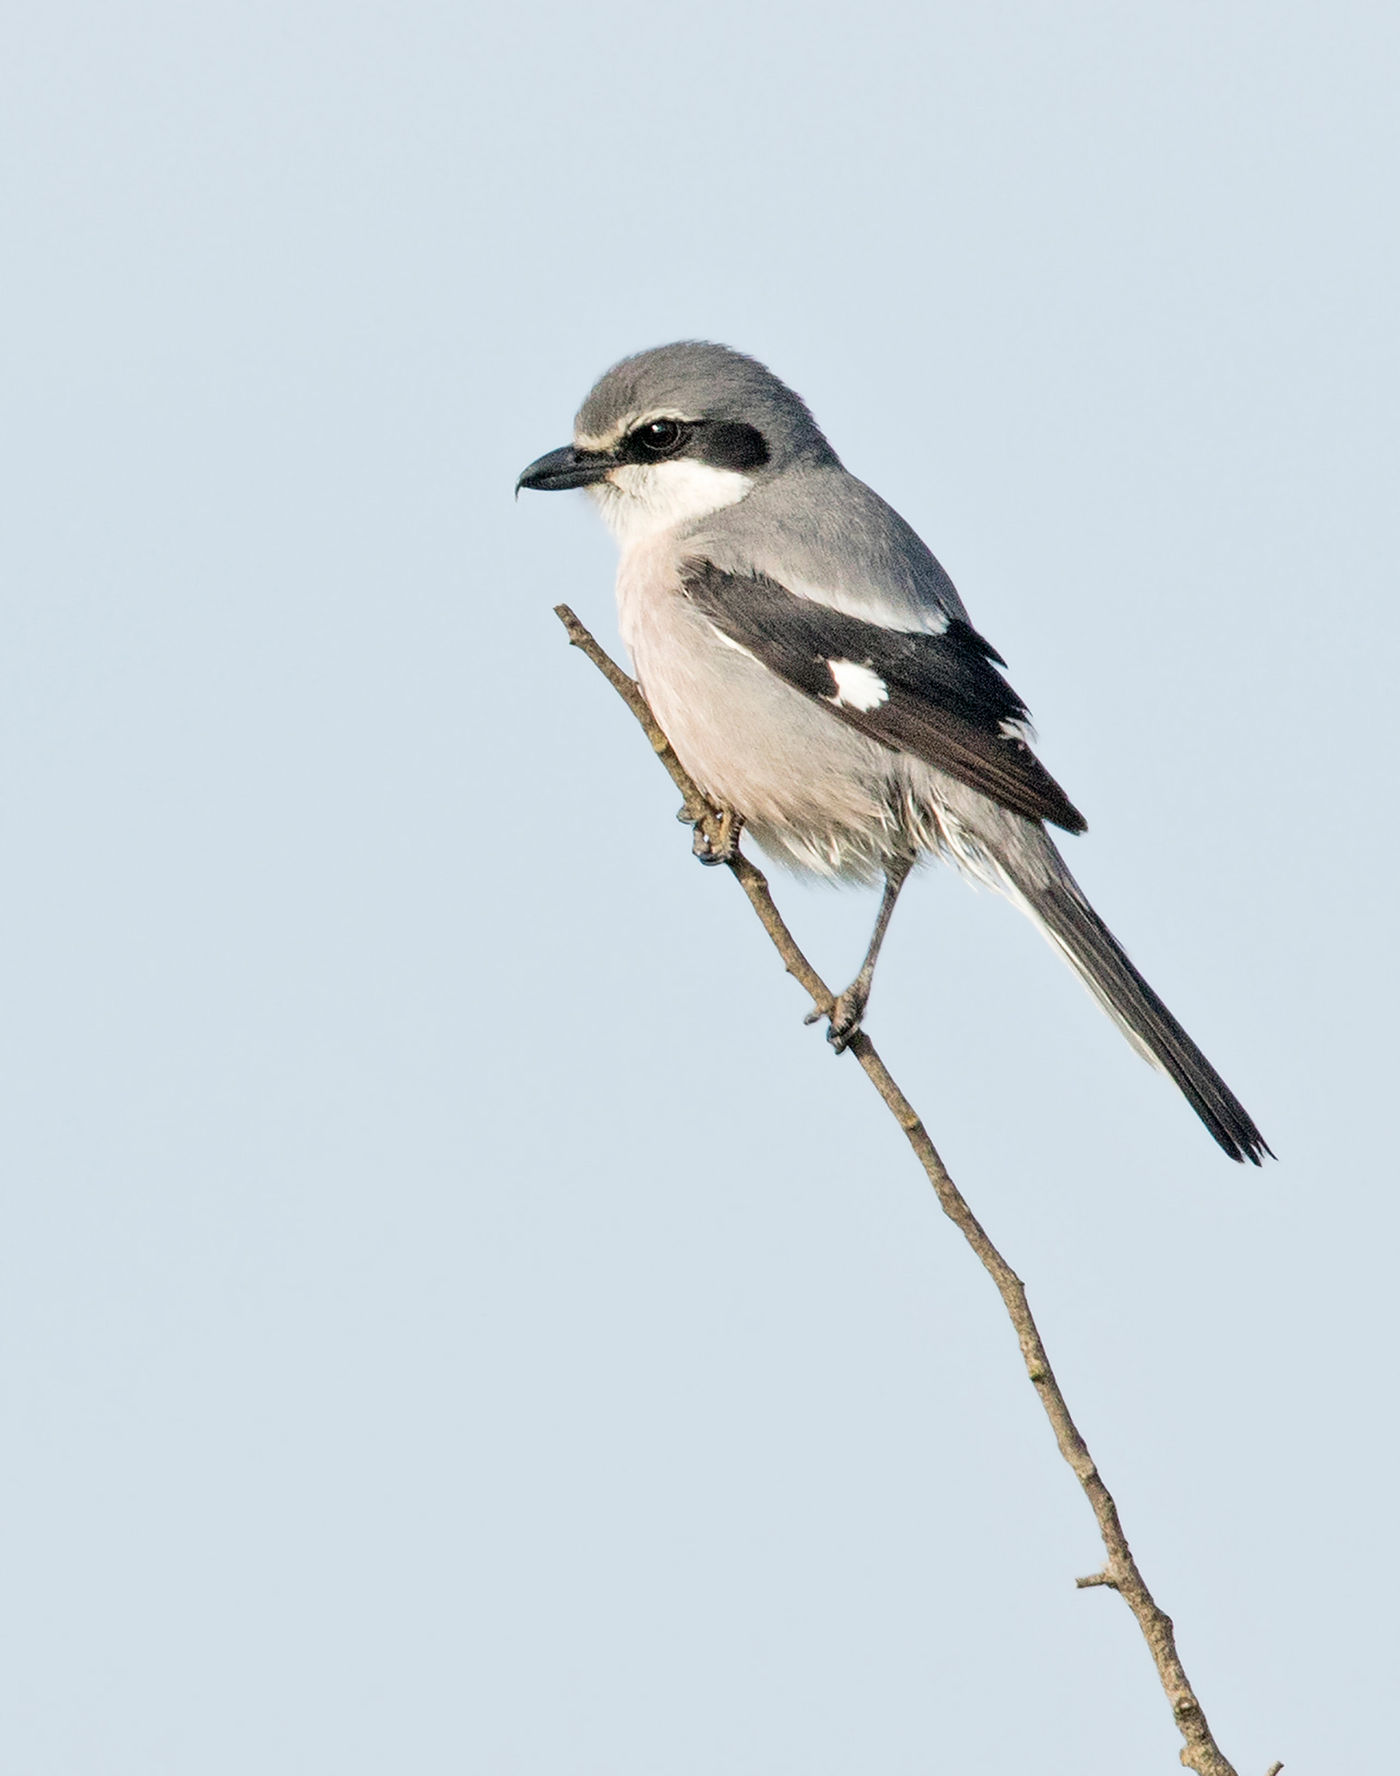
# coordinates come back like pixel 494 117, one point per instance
pixel 641 500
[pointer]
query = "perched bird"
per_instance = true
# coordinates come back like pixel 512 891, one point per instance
pixel 816 672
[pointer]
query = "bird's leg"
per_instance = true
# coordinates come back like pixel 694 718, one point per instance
pixel 726 848
pixel 848 1008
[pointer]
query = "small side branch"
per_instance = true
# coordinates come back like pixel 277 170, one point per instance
pixel 1120 1571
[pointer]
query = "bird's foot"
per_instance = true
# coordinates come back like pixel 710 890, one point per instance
pixel 843 1015
pixel 724 848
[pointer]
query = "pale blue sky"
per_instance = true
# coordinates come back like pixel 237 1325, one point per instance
pixel 455 1318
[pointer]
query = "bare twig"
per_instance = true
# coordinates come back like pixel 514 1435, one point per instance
pixel 1120 1572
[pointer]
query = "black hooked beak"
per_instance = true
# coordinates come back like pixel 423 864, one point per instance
pixel 565 468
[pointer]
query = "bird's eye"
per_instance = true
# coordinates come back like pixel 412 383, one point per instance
pixel 661 436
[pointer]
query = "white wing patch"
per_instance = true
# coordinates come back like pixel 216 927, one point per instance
pixel 857 687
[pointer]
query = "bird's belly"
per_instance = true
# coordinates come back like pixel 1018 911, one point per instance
pixel 816 794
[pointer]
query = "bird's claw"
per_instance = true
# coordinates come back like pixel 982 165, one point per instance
pixel 703 849
pixel 843 1014
pixel 725 848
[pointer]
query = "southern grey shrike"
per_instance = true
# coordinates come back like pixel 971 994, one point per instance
pixel 817 674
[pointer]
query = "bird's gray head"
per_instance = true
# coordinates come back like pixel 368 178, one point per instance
pixel 675 433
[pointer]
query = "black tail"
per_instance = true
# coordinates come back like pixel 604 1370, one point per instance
pixel 1101 963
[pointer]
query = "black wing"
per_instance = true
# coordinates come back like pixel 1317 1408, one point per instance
pixel 939 697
